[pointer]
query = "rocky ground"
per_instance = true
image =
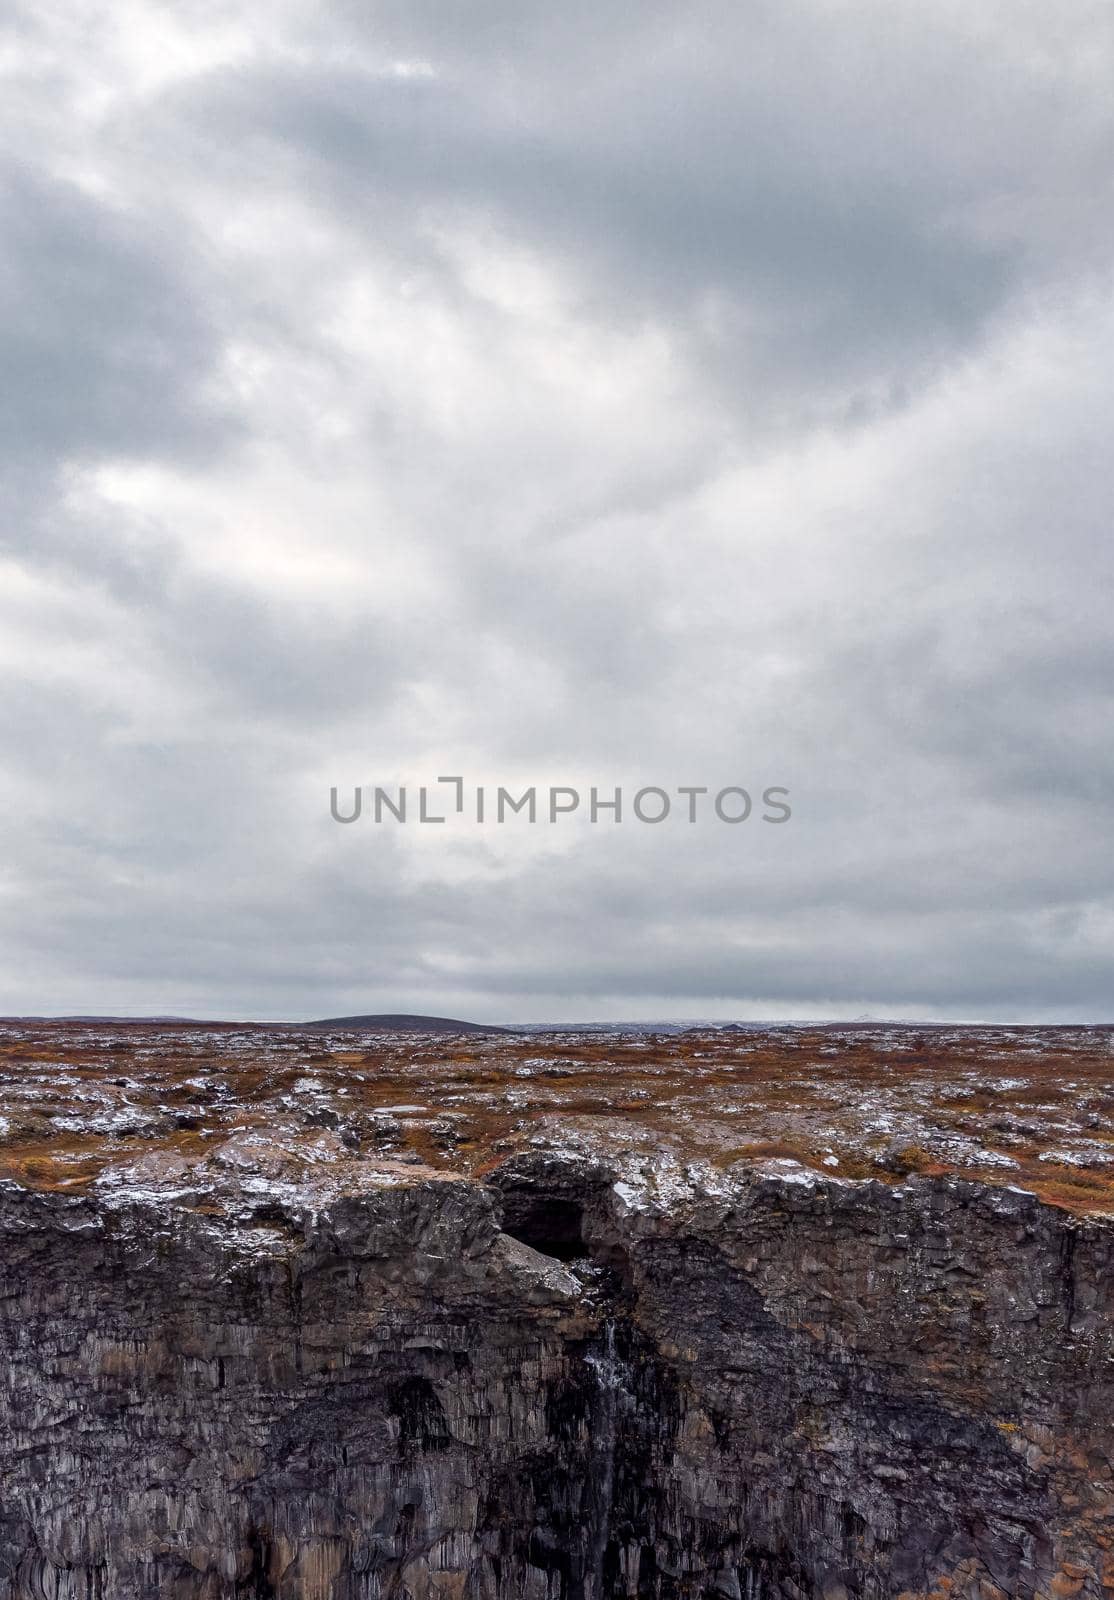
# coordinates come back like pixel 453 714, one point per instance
pixel 767 1312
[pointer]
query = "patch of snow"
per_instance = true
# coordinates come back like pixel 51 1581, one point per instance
pixel 1090 1156
pixel 786 1170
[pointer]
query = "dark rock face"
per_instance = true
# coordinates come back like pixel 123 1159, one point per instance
pixel 744 1383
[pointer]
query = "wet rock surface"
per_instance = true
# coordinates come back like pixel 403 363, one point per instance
pixel 325 1345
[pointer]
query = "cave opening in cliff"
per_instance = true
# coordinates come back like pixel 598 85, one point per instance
pixel 419 1415
pixel 552 1224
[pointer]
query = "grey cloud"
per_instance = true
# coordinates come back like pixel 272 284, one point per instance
pixel 792 289
pixel 846 530
pixel 857 198
pixel 105 344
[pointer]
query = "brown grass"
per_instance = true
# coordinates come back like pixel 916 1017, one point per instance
pixel 945 1100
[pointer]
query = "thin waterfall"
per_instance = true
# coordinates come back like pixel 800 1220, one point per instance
pixel 612 1375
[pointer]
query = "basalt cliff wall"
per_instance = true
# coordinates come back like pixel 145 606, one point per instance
pixel 563 1378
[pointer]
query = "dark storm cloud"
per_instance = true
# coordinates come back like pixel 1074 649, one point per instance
pixel 796 288
pixel 104 342
pixel 586 394
pixel 821 196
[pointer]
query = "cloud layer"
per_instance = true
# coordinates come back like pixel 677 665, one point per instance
pixel 712 394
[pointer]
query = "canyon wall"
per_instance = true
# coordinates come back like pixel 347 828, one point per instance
pixel 579 1375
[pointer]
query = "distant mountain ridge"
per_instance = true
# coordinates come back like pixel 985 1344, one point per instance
pixel 405 1022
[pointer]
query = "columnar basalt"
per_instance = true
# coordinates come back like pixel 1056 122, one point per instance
pixel 573 1370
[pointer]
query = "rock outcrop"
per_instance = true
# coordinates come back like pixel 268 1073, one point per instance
pixel 576 1369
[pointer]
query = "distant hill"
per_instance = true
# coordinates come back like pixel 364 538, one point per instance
pixel 403 1022
pixel 197 1022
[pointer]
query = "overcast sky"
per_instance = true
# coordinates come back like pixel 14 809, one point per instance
pixel 692 393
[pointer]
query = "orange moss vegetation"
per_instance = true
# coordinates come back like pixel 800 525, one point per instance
pixel 1025 1106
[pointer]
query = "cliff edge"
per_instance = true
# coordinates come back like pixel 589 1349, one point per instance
pixel 797 1314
